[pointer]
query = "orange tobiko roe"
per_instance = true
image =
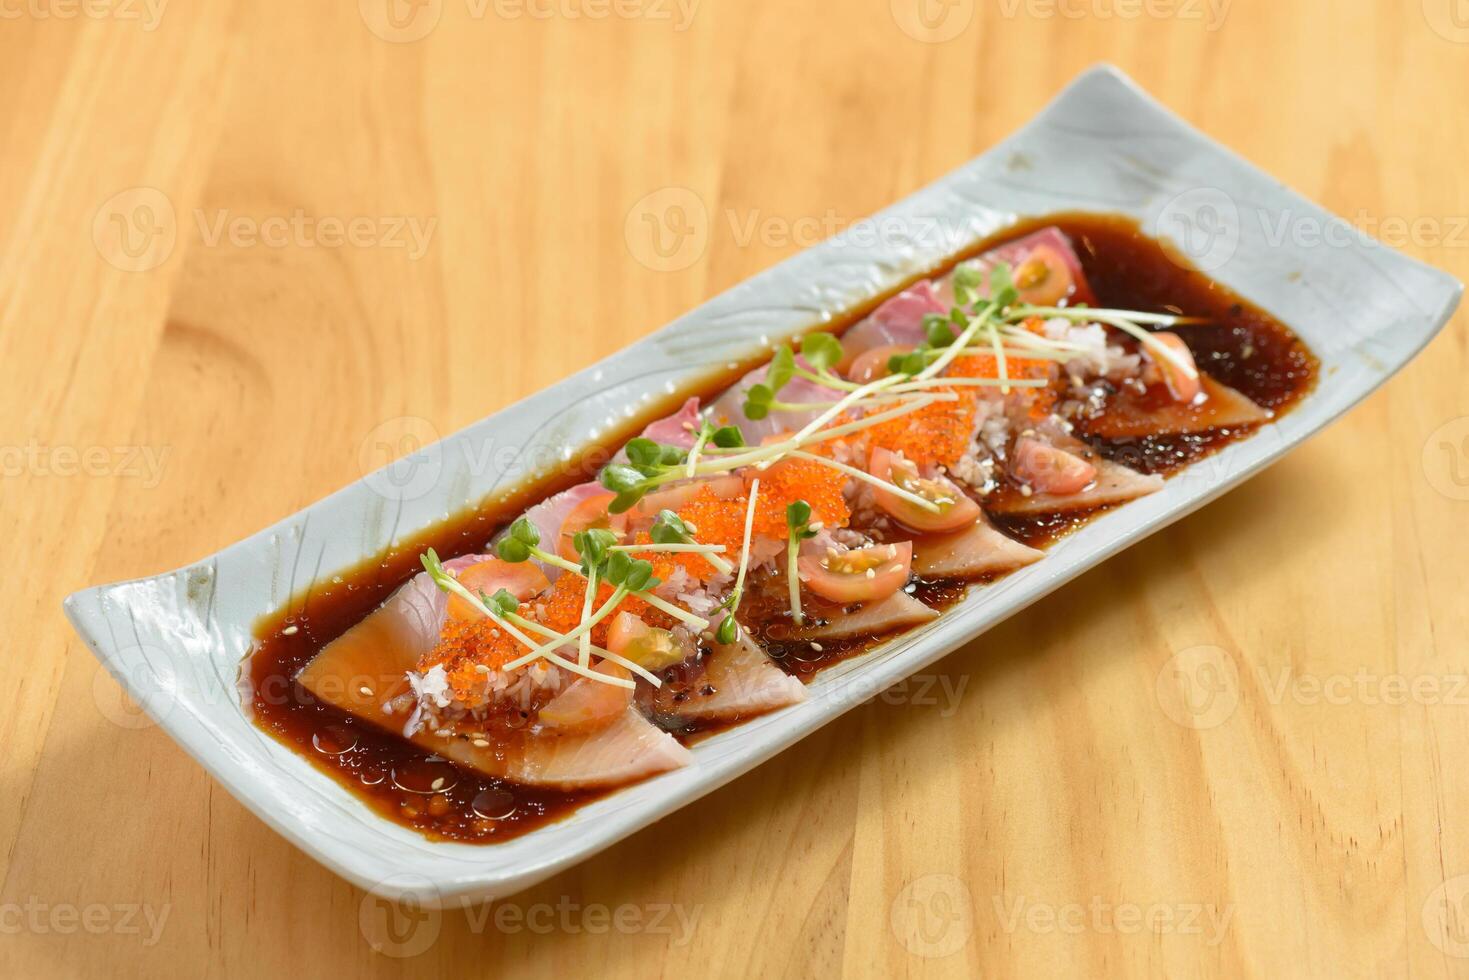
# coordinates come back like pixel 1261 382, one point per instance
pixel 939 433
pixel 463 646
pixel 466 645
pixel 720 520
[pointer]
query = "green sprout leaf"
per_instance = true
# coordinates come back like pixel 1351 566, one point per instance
pixel 938 330
pixel 625 501
pixel 669 528
pixel 621 479
pixel 512 549
pixel 911 363
pixel 822 351
pixel 757 401
pixel 1002 286
pixel 728 630
pixel 782 369
pixel 968 276
pixel 639 575
pixel 524 531
pixel 593 545
pixel 728 437
pixel 502 603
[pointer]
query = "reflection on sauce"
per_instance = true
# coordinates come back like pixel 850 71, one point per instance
pixel 1242 346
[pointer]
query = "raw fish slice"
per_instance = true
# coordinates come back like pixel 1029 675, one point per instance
pixel 1014 253
pixel 898 611
pixel 974 552
pixel 899 321
pixel 364 667
pixel 679 429
pixel 728 408
pixel 551 513
pixel 1128 416
pixel 374 655
pixel 744 681
pixel 627 750
pixel 1115 484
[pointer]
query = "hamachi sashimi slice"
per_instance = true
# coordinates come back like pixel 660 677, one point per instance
pixel 898 611
pixel 625 751
pixel 364 668
pixel 898 321
pixel 1115 484
pixel 728 409
pixel 548 516
pixel 1016 252
pixel 1222 407
pixel 679 429
pixel 744 683
pixel 976 551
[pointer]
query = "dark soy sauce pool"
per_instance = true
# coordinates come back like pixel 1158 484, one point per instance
pixel 1241 346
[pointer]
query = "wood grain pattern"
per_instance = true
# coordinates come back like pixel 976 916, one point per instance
pixel 1063 798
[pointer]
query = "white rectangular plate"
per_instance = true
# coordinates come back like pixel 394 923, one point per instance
pixel 176 641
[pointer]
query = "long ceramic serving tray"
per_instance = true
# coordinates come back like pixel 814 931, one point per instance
pixel 176 641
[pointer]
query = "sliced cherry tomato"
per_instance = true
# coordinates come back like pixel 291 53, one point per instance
pixel 647 646
pixel 873 364
pixel 1183 385
pixel 1043 278
pixel 1047 469
pixel 956 510
pixel 588 705
pixel 520 579
pixel 591 512
pixel 859 575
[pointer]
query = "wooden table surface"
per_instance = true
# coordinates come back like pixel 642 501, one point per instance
pixel 238 237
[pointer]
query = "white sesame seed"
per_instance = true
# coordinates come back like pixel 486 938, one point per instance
pixel 480 743
pixel 365 691
pixel 1025 491
pixel 816 646
pixel 438 783
pixel 481 668
pixel 289 631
